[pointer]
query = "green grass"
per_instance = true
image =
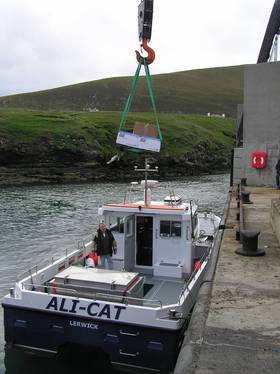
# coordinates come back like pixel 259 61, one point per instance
pixel 215 90
pixel 78 131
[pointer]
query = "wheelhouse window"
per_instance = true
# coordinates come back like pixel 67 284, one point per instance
pixel 176 228
pixel 170 229
pixel 116 224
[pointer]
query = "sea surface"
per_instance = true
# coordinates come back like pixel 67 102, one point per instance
pixel 41 222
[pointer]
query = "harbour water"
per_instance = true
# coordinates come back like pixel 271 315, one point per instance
pixel 41 222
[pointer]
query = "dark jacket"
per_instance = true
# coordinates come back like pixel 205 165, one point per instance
pixel 98 243
pixel 277 167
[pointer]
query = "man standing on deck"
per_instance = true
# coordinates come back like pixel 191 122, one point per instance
pixel 104 245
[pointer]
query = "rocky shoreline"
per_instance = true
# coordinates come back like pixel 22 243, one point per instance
pixel 42 147
pixel 30 174
pixel 23 177
pixel 45 161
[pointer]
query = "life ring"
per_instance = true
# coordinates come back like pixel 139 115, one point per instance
pixel 259 160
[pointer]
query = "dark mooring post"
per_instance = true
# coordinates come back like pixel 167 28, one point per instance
pixel 250 244
pixel 243 181
pixel 245 197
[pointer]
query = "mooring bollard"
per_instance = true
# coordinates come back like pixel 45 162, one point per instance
pixel 245 197
pixel 249 244
pixel 237 235
pixel 243 181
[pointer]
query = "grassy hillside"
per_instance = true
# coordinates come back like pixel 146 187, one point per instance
pixel 215 90
pixel 50 146
pixel 97 131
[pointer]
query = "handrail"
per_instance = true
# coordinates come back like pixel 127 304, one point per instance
pixel 35 287
pixel 46 263
pixel 88 288
pixel 187 283
pixel 193 274
pixel 131 298
pixel 108 294
pixel 207 255
pixel 25 273
pixel 139 188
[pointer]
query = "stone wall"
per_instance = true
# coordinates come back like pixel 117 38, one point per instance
pixel 275 217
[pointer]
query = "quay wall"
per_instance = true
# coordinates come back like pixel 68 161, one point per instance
pixel 261 120
pixel 275 217
pixel 234 326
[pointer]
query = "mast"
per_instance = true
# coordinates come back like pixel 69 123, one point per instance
pixel 146 171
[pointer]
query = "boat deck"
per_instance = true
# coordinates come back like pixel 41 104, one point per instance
pixel 158 291
pixel 165 290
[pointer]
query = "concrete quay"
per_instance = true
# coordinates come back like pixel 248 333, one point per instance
pixel 235 326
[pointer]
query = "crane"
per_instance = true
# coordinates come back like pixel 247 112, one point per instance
pixel 145 22
pixel 145 137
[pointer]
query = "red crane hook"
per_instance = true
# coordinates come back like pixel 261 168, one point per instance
pixel 151 53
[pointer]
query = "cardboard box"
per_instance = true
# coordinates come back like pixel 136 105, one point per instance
pixel 145 129
pixel 133 140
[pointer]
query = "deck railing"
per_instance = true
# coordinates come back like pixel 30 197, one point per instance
pixel 27 273
pixel 134 300
pixel 67 256
pixel 203 259
pixel 47 289
pixel 95 295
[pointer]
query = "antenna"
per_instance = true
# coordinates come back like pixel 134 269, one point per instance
pixel 146 171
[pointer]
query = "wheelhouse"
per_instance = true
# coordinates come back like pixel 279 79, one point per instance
pixel 155 239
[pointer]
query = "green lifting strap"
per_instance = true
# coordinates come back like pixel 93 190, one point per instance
pixel 149 83
pixel 130 97
pixel 132 93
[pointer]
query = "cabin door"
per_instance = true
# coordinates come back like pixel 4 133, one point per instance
pixel 129 243
pixel 144 241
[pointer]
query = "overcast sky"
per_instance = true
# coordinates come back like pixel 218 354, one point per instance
pixel 50 43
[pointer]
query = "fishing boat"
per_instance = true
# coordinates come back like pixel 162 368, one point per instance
pixel 137 312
